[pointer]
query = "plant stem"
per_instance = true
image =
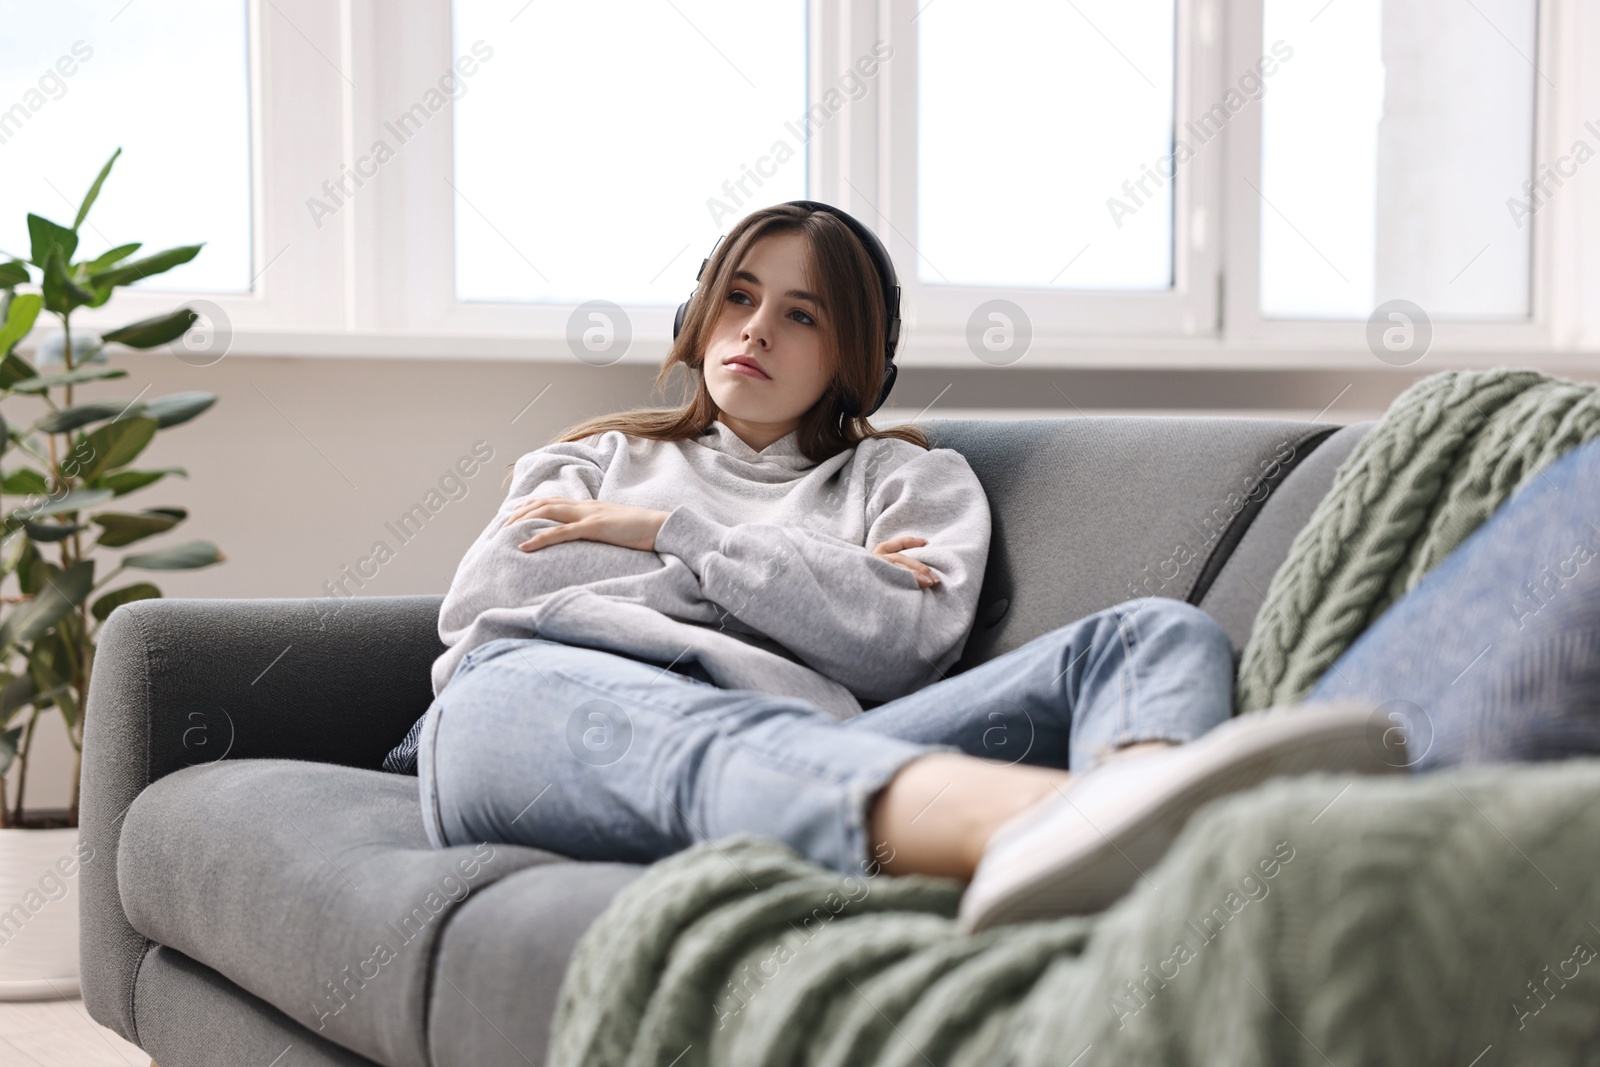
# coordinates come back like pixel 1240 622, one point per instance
pixel 22 760
pixel 84 657
pixel 5 818
pixel 77 771
pixel 66 328
pixel 84 644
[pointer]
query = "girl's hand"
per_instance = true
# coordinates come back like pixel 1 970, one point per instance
pixel 890 550
pixel 589 520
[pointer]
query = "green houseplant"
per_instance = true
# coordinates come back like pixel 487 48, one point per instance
pixel 63 475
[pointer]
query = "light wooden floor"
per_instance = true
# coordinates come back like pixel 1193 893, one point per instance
pixel 59 1033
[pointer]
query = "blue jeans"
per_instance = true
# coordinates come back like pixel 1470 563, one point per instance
pixel 598 756
pixel 1495 655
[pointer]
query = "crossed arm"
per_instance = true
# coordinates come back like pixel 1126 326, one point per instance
pixel 882 620
pixel 636 527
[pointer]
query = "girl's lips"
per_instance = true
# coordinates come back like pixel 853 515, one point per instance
pixel 745 368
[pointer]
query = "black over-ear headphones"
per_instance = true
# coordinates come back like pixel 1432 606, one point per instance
pixel 891 299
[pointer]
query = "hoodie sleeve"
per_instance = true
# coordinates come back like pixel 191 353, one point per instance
pixel 846 613
pixel 495 573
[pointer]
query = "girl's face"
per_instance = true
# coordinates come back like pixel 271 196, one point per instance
pixel 770 320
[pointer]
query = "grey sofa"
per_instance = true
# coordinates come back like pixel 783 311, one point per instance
pixel 251 857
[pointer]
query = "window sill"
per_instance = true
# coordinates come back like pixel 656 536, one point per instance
pixel 1184 354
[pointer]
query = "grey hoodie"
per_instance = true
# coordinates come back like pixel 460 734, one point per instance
pixel 762 573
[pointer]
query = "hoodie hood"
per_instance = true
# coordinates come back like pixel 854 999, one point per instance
pixel 784 452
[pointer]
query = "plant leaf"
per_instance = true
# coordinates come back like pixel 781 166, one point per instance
pixel 114 255
pixel 48 664
pixel 115 444
pixel 15 694
pixel 94 190
pixel 120 482
pixel 82 414
pixel 148 333
pixel 13 273
pixel 55 600
pixel 126 595
pixel 182 557
pixel 61 293
pixel 14 369
pixel 68 703
pixel 47 236
pixel 32 567
pixel 177 408
pixel 52 531
pixel 72 500
pixel 11 553
pixel 72 377
pixel 134 270
pixel 23 481
pixel 126 527
pixel 20 316
pixel 8 748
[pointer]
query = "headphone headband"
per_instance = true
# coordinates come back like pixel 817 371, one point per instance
pixel 886 277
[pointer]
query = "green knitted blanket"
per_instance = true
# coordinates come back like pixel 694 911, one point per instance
pixel 1449 450
pixel 1309 921
pixel 1312 920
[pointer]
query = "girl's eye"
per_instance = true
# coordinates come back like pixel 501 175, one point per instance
pixel 805 318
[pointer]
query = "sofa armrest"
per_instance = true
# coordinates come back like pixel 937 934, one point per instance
pixel 184 681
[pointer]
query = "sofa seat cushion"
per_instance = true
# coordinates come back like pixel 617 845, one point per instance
pixel 503 957
pixel 311 885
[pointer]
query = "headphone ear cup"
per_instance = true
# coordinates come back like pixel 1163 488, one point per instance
pixel 683 308
pixel 890 373
pixel 848 406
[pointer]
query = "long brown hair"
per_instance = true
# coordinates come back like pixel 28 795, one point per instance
pixel 839 269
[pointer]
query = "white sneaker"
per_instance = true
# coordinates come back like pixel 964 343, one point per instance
pixel 1078 851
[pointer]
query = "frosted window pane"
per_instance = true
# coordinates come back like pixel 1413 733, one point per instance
pixel 169 82
pixel 592 149
pixel 1394 142
pixel 1031 117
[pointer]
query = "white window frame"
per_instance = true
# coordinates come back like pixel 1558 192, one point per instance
pixel 376 279
pixel 1462 344
pixel 298 273
pixel 1065 322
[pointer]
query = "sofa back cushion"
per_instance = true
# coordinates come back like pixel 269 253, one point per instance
pixel 1240 588
pixel 1095 510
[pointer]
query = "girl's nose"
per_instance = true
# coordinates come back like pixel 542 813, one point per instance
pixel 757 331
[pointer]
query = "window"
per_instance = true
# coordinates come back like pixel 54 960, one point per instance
pixel 1031 119
pixel 1095 183
pixel 1392 137
pixel 1032 174
pixel 603 148
pixel 169 83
